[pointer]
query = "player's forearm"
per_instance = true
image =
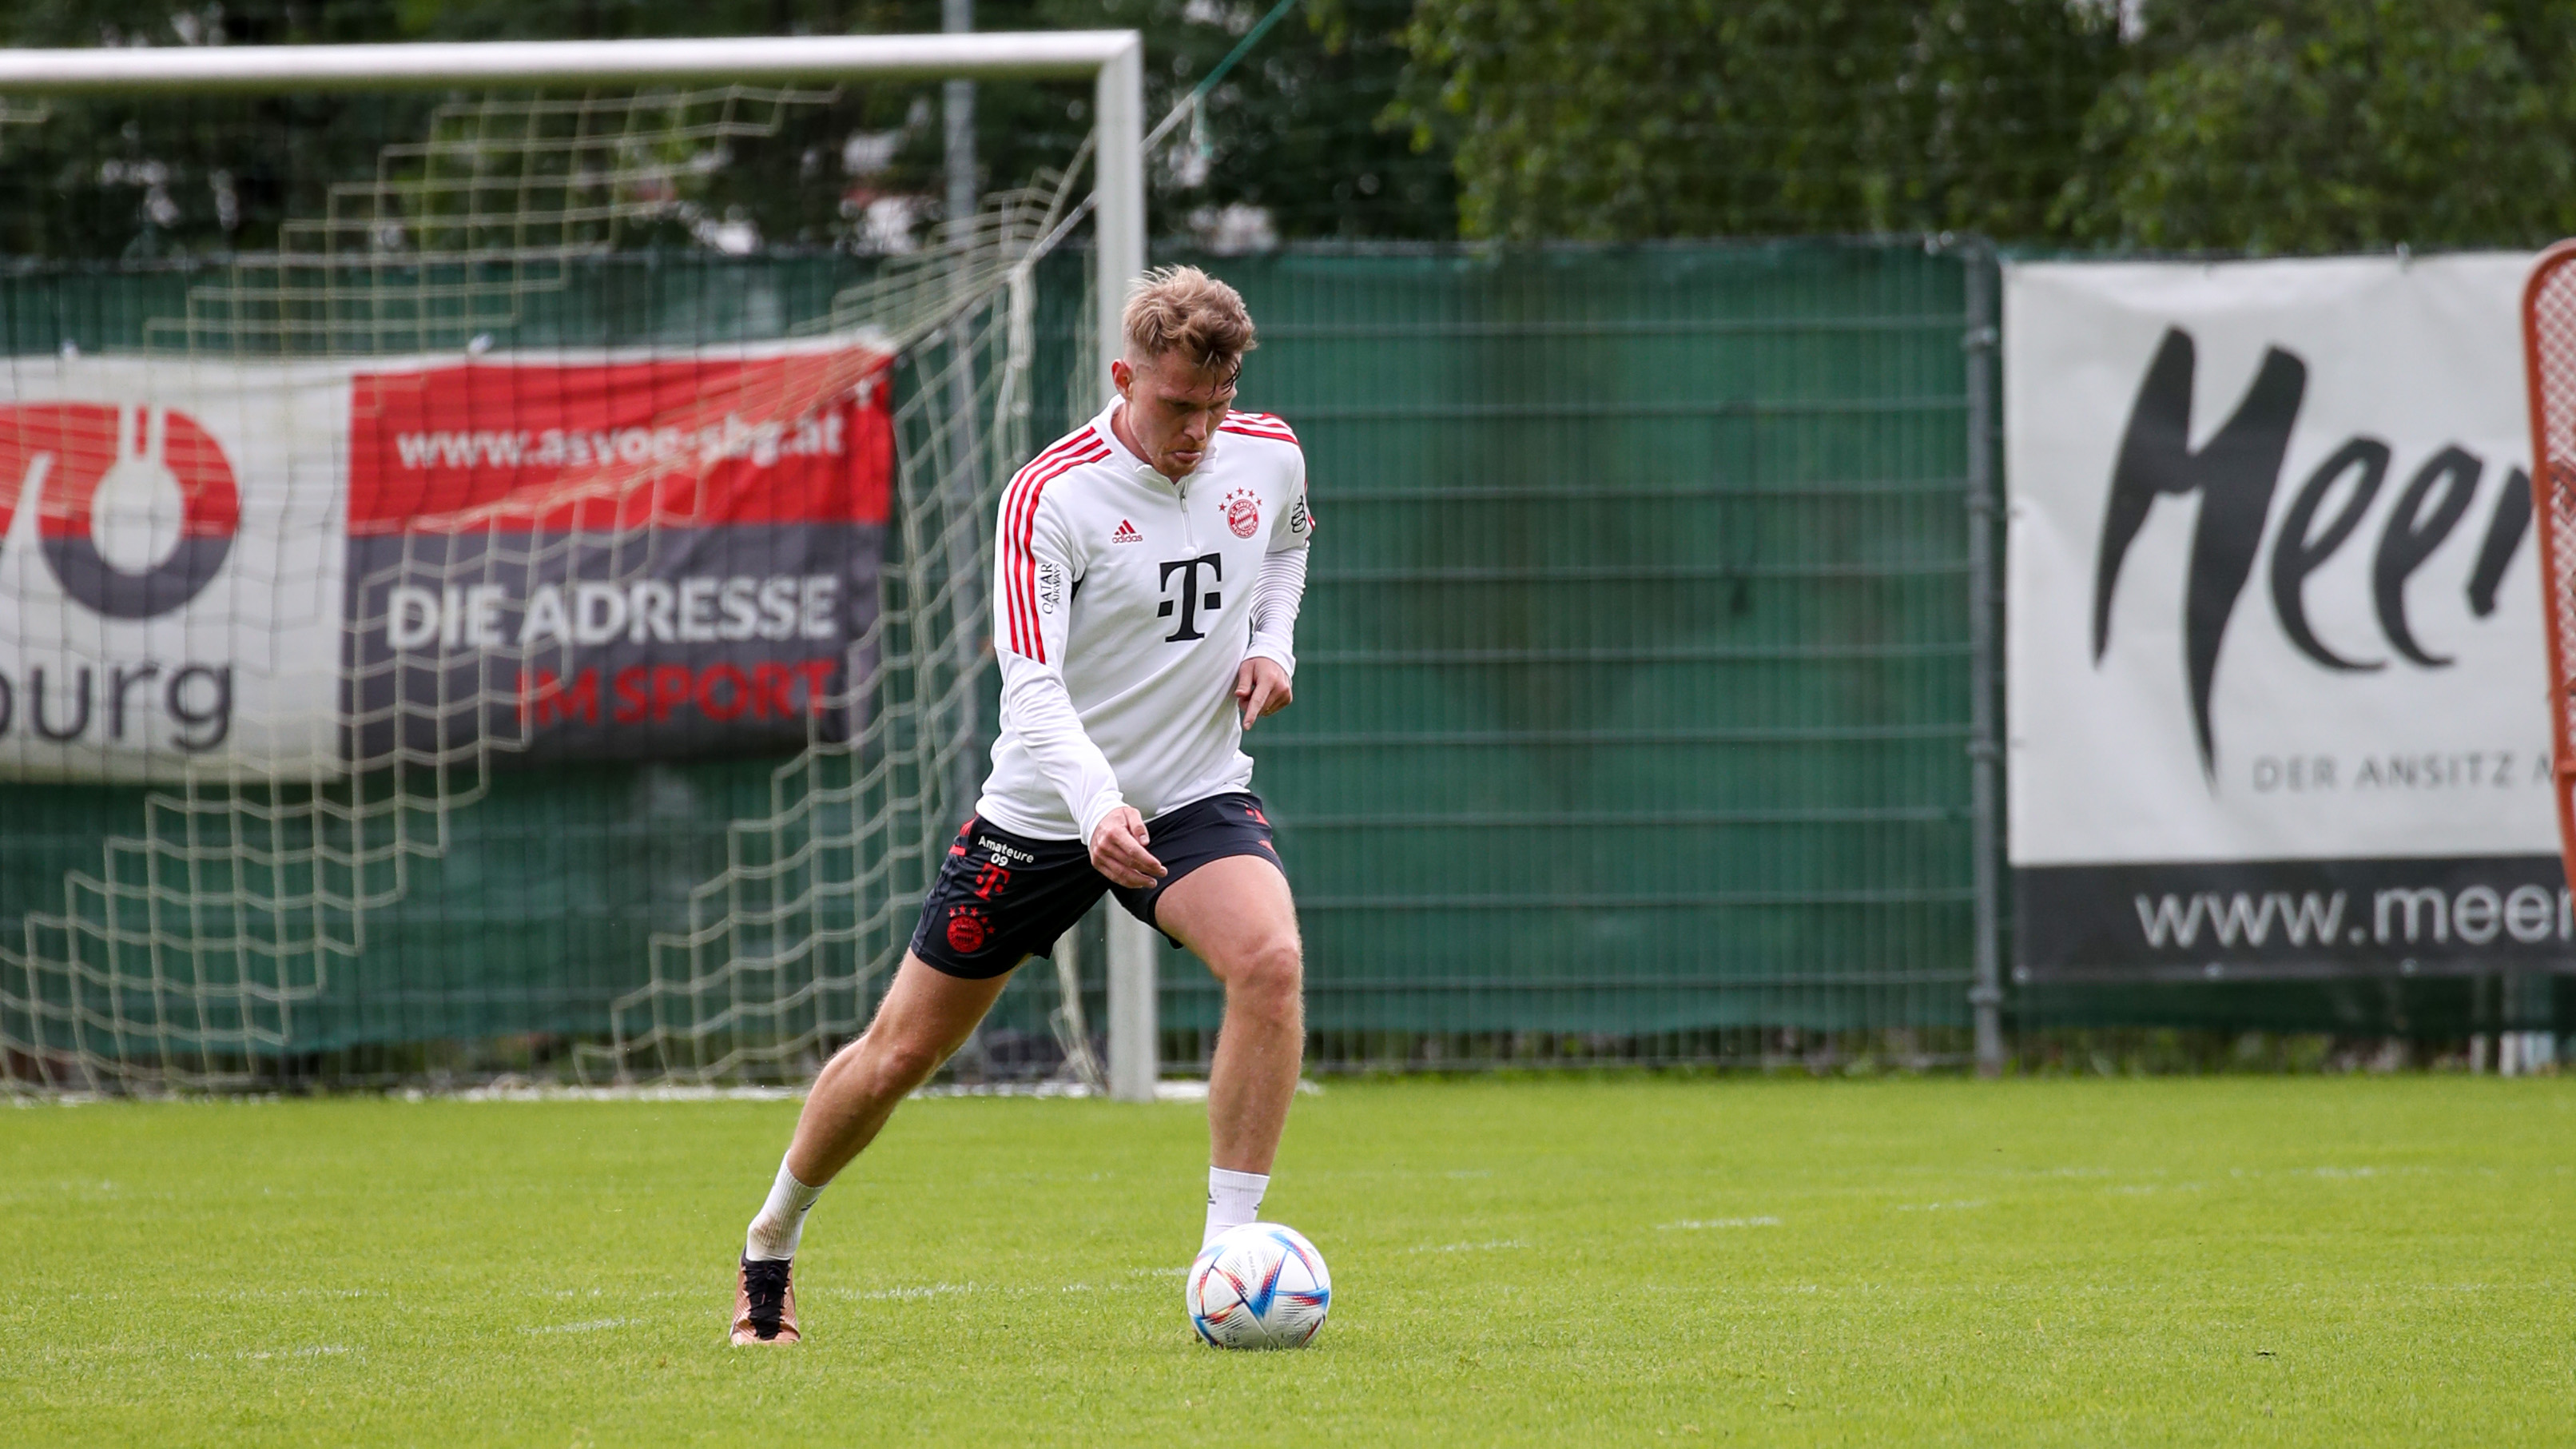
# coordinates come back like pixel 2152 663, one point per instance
pixel 1037 710
pixel 1276 596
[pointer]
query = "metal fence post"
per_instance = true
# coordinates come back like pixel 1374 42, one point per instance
pixel 1119 97
pixel 1135 1038
pixel 1981 341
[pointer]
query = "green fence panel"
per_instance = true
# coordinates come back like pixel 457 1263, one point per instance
pixel 1632 697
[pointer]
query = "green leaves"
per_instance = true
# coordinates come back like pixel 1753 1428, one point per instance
pixel 2330 126
pixel 1693 117
pixel 2270 125
pixel 1293 128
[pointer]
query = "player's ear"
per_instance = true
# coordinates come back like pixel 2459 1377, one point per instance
pixel 1121 376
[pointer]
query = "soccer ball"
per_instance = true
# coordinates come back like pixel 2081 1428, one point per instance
pixel 1258 1286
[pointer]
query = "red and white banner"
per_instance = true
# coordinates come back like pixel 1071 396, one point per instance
pixel 300 567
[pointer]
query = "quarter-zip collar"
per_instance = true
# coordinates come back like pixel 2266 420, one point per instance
pixel 1106 426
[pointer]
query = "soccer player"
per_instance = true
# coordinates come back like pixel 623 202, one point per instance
pixel 1145 590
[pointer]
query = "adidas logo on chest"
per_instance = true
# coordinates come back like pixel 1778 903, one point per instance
pixel 1126 533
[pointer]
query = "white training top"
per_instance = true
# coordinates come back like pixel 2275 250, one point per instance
pixel 1123 604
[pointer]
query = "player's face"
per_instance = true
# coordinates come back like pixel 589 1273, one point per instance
pixel 1173 408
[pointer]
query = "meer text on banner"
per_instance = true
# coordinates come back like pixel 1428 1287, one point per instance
pixel 2274 656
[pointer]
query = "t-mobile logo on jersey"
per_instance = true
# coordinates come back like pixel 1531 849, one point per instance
pixel 1190 600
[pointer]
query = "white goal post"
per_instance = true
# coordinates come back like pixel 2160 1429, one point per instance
pixel 1114 59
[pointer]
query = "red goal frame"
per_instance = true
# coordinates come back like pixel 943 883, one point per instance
pixel 2549 367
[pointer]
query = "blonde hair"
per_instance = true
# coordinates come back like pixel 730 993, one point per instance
pixel 1184 310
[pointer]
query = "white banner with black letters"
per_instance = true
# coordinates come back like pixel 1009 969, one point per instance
pixel 2274 654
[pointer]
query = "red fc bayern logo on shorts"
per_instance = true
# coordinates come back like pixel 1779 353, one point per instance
pixel 966 930
pixel 1242 513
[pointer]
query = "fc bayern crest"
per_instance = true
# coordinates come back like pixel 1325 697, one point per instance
pixel 1242 513
pixel 966 930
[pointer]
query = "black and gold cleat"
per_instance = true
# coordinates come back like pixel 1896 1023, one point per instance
pixel 764 1303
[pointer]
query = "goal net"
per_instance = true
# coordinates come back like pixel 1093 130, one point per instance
pixel 2549 354
pixel 512 621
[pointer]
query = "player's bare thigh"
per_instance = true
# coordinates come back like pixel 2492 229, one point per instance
pixel 1236 914
pixel 928 1011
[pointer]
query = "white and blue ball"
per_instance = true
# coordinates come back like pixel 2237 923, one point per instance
pixel 1258 1286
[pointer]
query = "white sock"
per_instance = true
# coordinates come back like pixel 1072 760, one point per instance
pixel 1234 1198
pixel 780 1224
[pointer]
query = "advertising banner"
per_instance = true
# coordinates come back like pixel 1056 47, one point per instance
pixel 169 565
pixel 2275 668
pixel 310 567
pixel 642 559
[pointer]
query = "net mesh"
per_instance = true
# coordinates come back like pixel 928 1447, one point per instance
pixel 2549 332
pixel 454 232
pixel 190 953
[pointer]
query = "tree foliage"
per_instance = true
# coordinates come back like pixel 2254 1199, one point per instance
pixel 1626 118
pixel 2326 125
pixel 1293 129
pixel 2272 125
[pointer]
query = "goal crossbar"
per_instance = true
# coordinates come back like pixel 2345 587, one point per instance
pixel 434 64
pixel 1114 59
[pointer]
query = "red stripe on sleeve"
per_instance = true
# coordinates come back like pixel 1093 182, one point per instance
pixel 1028 554
pixel 1260 425
pixel 1010 596
pixel 1018 565
pixel 1019 500
pixel 1019 561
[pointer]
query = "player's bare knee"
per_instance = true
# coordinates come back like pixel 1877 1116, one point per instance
pixel 1269 978
pixel 900 1063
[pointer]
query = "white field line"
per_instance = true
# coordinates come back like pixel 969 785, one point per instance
pixel 589 1326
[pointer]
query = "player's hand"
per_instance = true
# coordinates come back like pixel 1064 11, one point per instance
pixel 1261 687
pixel 1118 850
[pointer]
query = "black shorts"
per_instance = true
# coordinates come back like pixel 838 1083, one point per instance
pixel 1002 897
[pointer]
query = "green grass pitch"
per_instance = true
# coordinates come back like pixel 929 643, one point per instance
pixel 1615 1261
